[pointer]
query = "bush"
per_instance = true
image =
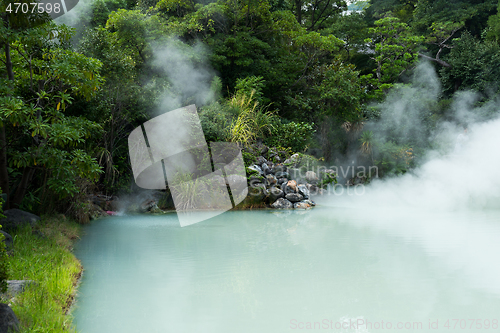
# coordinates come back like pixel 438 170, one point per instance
pixel 215 120
pixel 294 135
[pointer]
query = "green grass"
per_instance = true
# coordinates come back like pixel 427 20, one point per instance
pixel 48 261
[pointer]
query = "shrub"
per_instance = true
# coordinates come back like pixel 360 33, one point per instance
pixel 294 135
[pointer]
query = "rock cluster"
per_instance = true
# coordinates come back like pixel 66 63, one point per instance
pixel 274 183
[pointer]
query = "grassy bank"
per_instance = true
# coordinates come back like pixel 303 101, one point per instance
pixel 44 255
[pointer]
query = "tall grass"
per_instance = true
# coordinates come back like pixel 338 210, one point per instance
pixel 44 256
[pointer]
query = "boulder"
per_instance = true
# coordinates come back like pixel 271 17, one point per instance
pixel 264 150
pixel 301 205
pixel 15 287
pixel 282 203
pixel 147 205
pixel 96 212
pixel 309 202
pixel 7 240
pixel 279 168
pixel 8 319
pixel 256 168
pixel 302 189
pixel 294 197
pixel 16 218
pixel 292 184
pixel 292 160
pixel 311 176
pixel 282 180
pixel 275 193
pixel 261 160
pixel 282 174
pixel 271 180
pixel 266 169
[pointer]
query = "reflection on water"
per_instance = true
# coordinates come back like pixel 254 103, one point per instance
pixel 280 271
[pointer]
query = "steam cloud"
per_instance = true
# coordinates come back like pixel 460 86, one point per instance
pixel 447 180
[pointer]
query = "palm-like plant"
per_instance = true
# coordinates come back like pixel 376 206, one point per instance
pixel 367 143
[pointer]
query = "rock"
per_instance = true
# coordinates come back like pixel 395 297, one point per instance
pixel 330 172
pixel 311 176
pixel 275 193
pixel 309 202
pixel 279 168
pixel 301 205
pixel 147 205
pixel 282 180
pixel 96 212
pixel 288 189
pixel 255 179
pixel 264 150
pixel 292 160
pixel 257 191
pixel 7 240
pixel 256 168
pixel 261 160
pixel 8 319
pixel 313 189
pixel 292 184
pixel 266 169
pixel 282 174
pixel 16 218
pixel 294 197
pixel 271 180
pixel 302 189
pixel 282 204
pixel 15 287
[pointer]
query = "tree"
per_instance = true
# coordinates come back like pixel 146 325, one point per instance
pixel 395 51
pixel 473 65
pixel 441 33
pixel 43 76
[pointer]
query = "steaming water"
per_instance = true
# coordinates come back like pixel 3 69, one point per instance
pixel 270 271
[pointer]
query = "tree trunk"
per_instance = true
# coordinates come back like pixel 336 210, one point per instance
pixel 23 186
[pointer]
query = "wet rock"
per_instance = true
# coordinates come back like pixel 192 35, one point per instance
pixel 8 319
pixel 294 197
pixel 302 189
pixel 309 202
pixel 16 218
pixel 282 203
pixel 301 205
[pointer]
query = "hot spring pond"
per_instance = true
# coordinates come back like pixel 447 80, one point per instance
pixel 325 269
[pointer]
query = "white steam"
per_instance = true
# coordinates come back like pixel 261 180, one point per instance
pixel 188 73
pixel 450 179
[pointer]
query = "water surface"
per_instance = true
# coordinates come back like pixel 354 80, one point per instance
pixel 337 270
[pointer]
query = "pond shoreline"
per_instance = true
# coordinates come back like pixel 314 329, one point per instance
pixel 44 253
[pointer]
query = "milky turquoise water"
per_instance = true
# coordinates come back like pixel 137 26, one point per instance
pixel 322 270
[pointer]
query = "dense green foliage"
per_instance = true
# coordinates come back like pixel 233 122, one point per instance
pixel 4 260
pixel 290 74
